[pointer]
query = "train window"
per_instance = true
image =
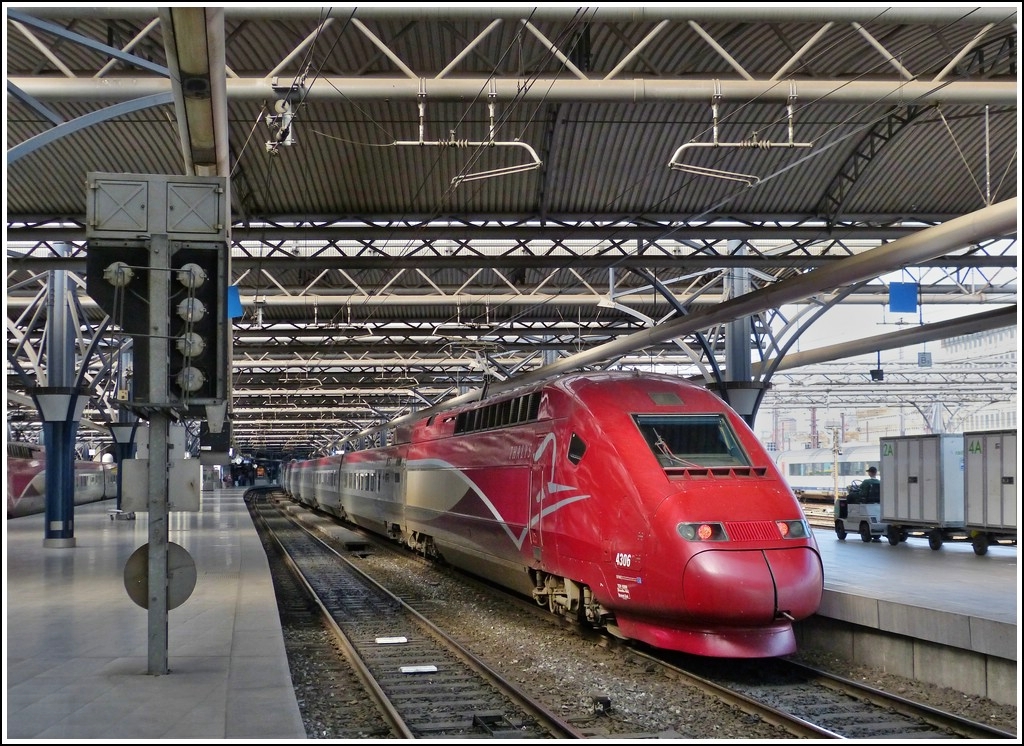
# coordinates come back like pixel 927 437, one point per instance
pixel 501 414
pixel 692 440
pixel 19 450
pixel 576 449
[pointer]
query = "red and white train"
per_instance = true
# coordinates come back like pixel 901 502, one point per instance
pixel 26 480
pixel 637 503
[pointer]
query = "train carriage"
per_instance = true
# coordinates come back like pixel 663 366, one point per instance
pixel 637 503
pixel 372 490
pixel 821 474
pixel 472 480
pixel 26 480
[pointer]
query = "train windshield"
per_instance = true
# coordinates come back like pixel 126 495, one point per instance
pixel 691 440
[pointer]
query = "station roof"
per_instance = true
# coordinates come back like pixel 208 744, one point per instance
pixel 427 199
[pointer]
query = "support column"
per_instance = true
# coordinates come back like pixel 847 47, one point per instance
pixel 159 424
pixel 739 391
pixel 124 448
pixel 743 396
pixel 61 409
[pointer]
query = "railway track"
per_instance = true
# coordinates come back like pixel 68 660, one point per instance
pixel 802 702
pixel 833 706
pixel 424 684
pixel 819 515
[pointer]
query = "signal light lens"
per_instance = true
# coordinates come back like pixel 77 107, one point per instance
pixel 190 379
pixel 702 531
pixel 191 345
pixel 191 275
pixel 191 310
pixel 792 529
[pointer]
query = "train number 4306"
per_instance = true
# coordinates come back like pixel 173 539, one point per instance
pixel 623 559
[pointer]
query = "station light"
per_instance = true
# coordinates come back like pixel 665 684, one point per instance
pixel 198 325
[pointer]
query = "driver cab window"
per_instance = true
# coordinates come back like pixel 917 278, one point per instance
pixel 692 440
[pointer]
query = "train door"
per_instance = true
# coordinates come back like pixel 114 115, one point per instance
pixel 541 472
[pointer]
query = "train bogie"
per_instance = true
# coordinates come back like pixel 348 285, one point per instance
pixel 641 504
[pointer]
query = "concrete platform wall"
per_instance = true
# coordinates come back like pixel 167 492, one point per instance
pixel 971 655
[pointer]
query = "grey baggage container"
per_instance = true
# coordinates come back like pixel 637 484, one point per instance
pixel 990 487
pixel 922 486
pixel 923 479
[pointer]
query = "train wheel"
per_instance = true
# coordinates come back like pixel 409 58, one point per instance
pixel 893 535
pixel 935 538
pixel 840 530
pixel 865 533
pixel 980 544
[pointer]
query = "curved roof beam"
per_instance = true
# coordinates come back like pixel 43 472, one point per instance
pixel 80 123
pixel 871 146
pixel 997 220
pixel 979 322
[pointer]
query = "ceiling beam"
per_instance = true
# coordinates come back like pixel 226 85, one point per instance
pixel 995 319
pixel 194 44
pixel 882 15
pixel 548 90
pixel 995 221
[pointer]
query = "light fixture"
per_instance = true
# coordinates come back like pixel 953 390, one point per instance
pixel 877 374
pixel 191 59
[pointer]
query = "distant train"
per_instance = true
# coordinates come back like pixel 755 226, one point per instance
pixel 26 480
pixel 809 471
pixel 636 503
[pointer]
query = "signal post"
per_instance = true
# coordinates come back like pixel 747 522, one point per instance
pixel 158 264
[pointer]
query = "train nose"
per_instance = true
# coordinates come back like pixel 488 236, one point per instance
pixel 747 586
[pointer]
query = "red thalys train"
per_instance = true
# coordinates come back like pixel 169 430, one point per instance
pixel 632 502
pixel 26 480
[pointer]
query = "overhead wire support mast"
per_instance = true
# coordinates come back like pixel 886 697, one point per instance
pixel 533 164
pixel 754 142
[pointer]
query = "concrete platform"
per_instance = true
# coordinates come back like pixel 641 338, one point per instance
pixel 946 616
pixel 76 647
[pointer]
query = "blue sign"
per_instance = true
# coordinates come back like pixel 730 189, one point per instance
pixel 903 297
pixel 234 302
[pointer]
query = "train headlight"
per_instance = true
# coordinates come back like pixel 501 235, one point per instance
pixel 796 529
pixel 702 531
